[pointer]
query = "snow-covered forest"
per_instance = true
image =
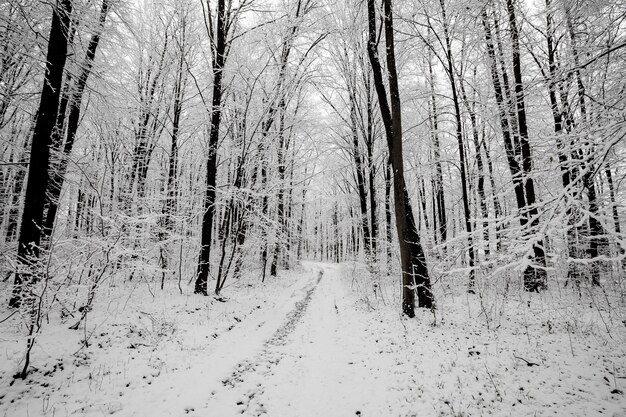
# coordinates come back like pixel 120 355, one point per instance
pixel 312 207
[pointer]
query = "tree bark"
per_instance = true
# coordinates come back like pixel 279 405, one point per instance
pixel 535 275
pixel 219 60
pixel 28 251
pixel 517 148
pixel 388 214
pixel 57 175
pixel 413 262
pixel 360 182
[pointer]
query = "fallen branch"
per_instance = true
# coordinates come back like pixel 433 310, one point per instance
pixel 528 363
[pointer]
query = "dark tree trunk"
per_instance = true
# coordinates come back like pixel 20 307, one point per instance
pixel 423 202
pixel 595 227
pixel 283 147
pixel 37 182
pixel 335 239
pixel 58 133
pixel 609 180
pixel 57 174
pixel 179 95
pixel 360 182
pixel 413 262
pixel 371 171
pixel 219 59
pixel 535 276
pixel 299 232
pixel 517 147
pixel 16 195
pixel 388 214
pixel 552 92
pixel 512 136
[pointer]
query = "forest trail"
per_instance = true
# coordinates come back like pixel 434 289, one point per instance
pixel 319 363
pixel 317 343
pixel 311 356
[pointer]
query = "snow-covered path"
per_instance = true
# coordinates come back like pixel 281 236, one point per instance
pixel 317 342
pixel 319 363
pixel 310 356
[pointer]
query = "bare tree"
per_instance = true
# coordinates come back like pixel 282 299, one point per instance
pixel 32 219
pixel 58 171
pixel 413 262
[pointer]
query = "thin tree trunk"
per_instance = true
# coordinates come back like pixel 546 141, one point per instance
pixel 16 197
pixel 283 147
pixel 439 191
pixel 388 214
pixel 360 183
pixel 459 138
pixel 609 179
pixel 497 208
pixel 482 195
pixel 372 173
pixel 172 175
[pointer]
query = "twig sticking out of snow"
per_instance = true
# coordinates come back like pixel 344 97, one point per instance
pixel 498 395
pixel 527 362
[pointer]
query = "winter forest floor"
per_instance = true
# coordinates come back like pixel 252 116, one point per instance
pixel 319 342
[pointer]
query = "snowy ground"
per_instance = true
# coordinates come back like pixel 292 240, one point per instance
pixel 318 342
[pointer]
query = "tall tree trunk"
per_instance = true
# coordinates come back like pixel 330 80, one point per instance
pixel 283 147
pixel 413 262
pixel 17 187
pixel 609 179
pixel 32 218
pixel 219 60
pixel 616 219
pixel 360 183
pixel 300 231
pixel 517 148
pixel 423 201
pixel 371 172
pixel 172 174
pixel 552 93
pixel 388 214
pixel 57 174
pixel 535 275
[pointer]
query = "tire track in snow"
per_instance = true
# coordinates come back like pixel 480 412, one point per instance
pixel 332 363
pixel 261 364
